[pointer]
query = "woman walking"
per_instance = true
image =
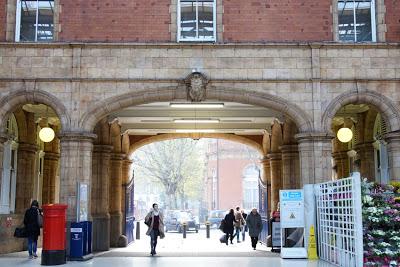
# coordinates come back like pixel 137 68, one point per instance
pixel 229 225
pixel 31 222
pixel 155 221
pixel 254 223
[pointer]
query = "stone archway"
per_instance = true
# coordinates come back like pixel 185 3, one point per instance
pixel 103 108
pixel 389 110
pixel 20 97
pixel 390 113
pixel 229 137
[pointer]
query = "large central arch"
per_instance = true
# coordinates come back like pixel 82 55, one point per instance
pixel 113 104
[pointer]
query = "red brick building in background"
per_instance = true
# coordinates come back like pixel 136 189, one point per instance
pixel 232 175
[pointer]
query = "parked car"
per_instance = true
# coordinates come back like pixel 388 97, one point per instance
pixel 215 217
pixel 175 219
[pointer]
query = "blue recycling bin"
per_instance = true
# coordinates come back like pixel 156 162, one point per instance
pixel 81 241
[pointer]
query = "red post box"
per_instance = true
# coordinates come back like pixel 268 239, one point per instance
pixel 54 217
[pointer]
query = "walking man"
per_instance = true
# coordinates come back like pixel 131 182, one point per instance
pixel 239 222
pixel 255 226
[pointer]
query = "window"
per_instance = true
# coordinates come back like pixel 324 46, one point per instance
pixel 356 21
pixel 34 21
pixel 196 20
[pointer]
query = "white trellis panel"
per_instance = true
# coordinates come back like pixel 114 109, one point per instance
pixel 339 220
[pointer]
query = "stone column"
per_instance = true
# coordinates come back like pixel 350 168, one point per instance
pixel 266 179
pixel 126 175
pixel 75 166
pixel 50 171
pixel 100 197
pixel 115 195
pixel 26 174
pixel 342 164
pixel 315 151
pixel 290 167
pixel 393 149
pixel 276 178
pixel 366 152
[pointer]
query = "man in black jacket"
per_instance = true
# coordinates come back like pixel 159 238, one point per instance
pixel 31 222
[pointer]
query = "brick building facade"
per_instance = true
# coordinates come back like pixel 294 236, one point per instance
pixel 86 60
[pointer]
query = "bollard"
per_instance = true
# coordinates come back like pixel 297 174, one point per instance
pixel 184 229
pixel 208 229
pixel 137 230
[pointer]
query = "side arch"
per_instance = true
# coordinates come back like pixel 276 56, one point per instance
pixel 383 104
pixel 13 100
pixel 113 104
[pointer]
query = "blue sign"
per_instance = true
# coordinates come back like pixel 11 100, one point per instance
pixel 291 196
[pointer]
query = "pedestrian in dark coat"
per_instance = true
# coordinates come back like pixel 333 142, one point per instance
pixel 229 225
pixel 254 223
pixel 31 222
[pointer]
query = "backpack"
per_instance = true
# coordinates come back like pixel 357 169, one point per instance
pixel 40 219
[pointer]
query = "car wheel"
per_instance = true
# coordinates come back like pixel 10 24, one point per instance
pixel 197 230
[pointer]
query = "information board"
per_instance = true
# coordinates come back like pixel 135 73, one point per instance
pixel 292 208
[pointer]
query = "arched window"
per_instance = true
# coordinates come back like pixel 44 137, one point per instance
pixel 9 177
pixel 380 155
pixel 250 186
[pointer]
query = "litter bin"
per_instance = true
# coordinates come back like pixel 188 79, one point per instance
pixel 81 241
pixel 53 250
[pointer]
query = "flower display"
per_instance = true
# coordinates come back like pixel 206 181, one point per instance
pixel 381 224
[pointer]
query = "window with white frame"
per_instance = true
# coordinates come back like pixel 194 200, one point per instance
pixel 34 21
pixel 8 182
pixel 196 20
pixel 356 21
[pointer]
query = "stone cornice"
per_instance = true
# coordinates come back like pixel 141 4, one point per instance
pixel 51 156
pixel 26 147
pixel 102 148
pixel 314 136
pixel 392 136
pixel 179 81
pixel 275 156
pixel 77 136
pixel 118 156
pixel 308 45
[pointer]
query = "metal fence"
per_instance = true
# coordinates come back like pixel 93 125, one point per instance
pixel 339 219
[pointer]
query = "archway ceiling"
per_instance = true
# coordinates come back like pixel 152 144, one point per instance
pixel 351 112
pixel 157 118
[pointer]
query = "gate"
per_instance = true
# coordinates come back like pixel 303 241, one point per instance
pixel 339 222
pixel 263 210
pixel 129 212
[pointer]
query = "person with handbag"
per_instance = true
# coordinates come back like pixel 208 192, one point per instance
pixel 155 221
pixel 32 222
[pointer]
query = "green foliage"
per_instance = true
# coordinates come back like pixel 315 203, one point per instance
pixel 176 166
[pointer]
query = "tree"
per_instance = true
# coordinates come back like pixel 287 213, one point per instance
pixel 172 163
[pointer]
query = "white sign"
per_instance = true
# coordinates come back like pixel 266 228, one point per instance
pixel 276 234
pixel 292 208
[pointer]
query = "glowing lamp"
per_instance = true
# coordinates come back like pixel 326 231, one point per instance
pixel 345 135
pixel 46 134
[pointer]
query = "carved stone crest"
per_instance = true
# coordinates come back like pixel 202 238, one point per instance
pixel 196 84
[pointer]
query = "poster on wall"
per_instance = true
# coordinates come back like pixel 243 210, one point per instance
pixel 82 205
